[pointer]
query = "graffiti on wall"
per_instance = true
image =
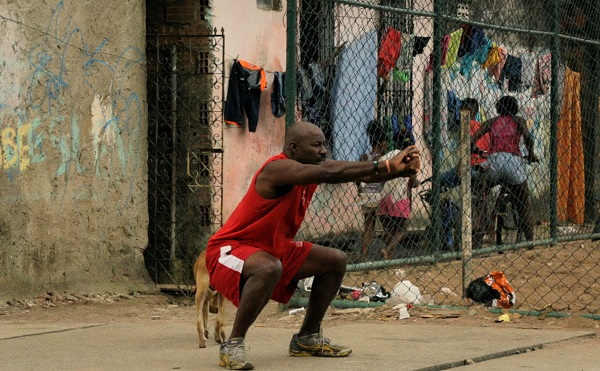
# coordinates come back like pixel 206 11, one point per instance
pixel 76 108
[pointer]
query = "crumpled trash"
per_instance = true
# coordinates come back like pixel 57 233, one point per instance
pixel 403 310
pixel 372 290
pixel 408 291
pixel 305 284
pixel 293 312
pixel 492 290
pixel 503 318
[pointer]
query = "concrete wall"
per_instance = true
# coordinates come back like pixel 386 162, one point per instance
pixel 73 139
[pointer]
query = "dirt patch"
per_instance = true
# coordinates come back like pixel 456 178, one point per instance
pixel 140 308
pixel 562 278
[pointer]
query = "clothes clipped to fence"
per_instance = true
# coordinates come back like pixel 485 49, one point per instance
pixel 313 94
pixel 389 52
pixel 453 46
pixel 571 185
pixel 518 71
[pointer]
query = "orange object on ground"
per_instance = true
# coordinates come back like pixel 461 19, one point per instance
pixel 498 281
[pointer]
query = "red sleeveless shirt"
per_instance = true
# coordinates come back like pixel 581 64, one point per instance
pixel 268 224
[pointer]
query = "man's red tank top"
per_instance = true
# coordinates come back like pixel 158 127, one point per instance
pixel 268 224
pixel 505 136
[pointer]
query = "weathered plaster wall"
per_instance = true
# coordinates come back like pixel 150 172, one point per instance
pixel 259 37
pixel 73 140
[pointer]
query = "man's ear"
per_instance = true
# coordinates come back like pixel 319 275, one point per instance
pixel 294 147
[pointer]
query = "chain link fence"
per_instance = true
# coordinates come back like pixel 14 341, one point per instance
pixel 523 76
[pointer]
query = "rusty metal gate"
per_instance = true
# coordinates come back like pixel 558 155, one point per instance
pixel 185 151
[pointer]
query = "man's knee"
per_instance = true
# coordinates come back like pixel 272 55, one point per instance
pixel 272 270
pixel 339 260
pixel 264 266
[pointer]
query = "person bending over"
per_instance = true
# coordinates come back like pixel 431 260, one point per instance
pixel 253 257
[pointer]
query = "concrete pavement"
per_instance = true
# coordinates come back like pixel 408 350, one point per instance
pixel 378 346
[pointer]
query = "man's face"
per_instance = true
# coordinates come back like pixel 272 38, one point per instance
pixel 310 149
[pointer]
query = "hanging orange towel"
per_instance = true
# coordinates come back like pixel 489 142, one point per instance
pixel 571 177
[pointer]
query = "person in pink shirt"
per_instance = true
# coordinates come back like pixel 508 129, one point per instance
pixel 507 165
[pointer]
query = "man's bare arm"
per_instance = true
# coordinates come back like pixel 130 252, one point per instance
pixel 287 173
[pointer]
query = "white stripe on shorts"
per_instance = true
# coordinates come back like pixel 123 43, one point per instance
pixel 230 261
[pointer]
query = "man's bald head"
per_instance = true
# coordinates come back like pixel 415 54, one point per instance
pixel 300 137
pixel 300 130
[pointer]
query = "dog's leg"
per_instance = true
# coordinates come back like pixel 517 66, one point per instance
pixel 202 286
pixel 205 313
pixel 200 318
pixel 220 320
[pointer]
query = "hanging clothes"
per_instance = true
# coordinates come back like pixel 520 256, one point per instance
pixel 495 61
pixel 388 52
pixel 353 97
pixel 453 111
pixel 406 51
pixel 477 58
pixel 471 40
pixel 571 181
pixel 512 72
pixel 528 73
pixel 542 76
pixel 246 83
pixel 278 94
pixel 453 45
pixel 481 54
pixel 409 130
pixel 319 106
pixel 445 41
pixel 311 86
pixel 420 42
pixel 465 40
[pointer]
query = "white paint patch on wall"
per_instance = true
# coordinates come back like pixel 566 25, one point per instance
pixel 103 120
pixel 14 68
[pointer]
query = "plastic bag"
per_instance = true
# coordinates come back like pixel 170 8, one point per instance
pixel 374 291
pixel 492 290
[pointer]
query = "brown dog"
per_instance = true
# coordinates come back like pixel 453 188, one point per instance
pixel 207 300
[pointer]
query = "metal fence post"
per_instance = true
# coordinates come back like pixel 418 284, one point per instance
pixel 438 33
pixel 465 195
pixel 290 75
pixel 554 117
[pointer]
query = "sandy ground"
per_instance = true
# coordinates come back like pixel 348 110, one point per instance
pixel 138 308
